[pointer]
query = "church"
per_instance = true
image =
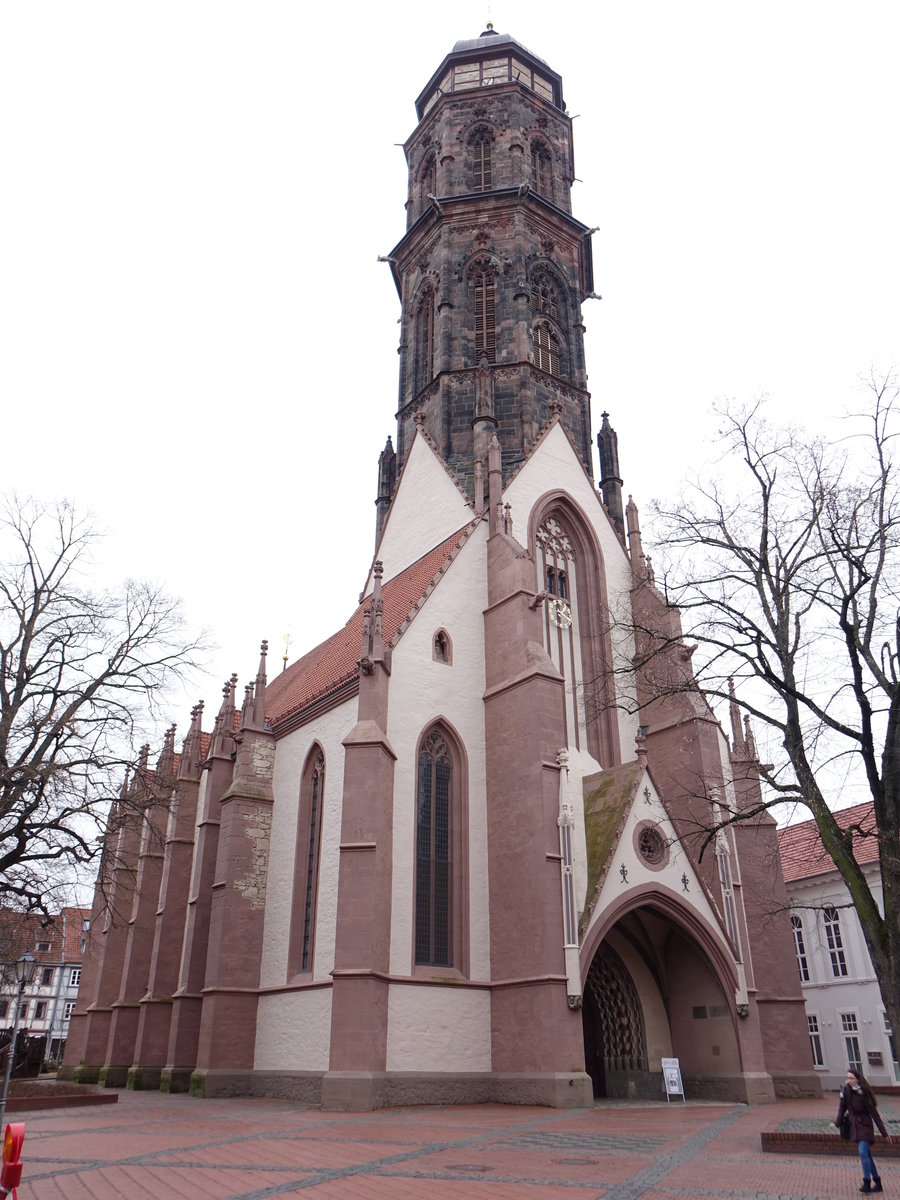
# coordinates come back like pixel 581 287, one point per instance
pixel 463 851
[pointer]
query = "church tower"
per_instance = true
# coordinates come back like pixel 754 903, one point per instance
pixel 493 268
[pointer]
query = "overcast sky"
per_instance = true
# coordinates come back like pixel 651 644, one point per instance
pixel 199 345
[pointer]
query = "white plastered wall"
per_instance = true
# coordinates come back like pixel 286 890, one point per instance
pixel 431 1020
pixel 283 1014
pixel 423 690
pixel 427 508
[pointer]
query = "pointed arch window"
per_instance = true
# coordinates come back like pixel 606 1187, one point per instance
pixel 434 862
pixel 546 349
pixel 424 347
pixel 481 161
pixel 427 180
pixel 441 882
pixel 306 863
pixel 484 286
pixel 541 169
pixel 544 299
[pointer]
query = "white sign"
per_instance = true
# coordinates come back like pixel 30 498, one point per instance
pixel 672 1078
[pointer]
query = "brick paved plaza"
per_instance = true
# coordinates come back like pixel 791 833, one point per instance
pixel 153 1145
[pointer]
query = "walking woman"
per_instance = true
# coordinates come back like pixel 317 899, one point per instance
pixel 861 1108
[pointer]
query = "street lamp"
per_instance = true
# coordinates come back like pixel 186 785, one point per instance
pixel 24 975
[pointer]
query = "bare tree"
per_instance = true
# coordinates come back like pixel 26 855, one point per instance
pixel 82 674
pixel 786 574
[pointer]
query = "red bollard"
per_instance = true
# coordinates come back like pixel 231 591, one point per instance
pixel 11 1172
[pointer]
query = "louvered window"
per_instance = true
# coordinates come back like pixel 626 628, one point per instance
pixel 546 349
pixel 540 170
pixel 485 328
pixel 434 867
pixel 481 162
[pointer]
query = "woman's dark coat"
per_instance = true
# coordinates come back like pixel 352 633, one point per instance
pixel 862 1115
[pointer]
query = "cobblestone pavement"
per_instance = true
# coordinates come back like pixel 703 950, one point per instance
pixel 152 1145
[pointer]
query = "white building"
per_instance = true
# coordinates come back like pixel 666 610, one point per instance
pixel 848 1025
pixel 49 1000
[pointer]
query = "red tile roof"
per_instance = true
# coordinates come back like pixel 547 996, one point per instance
pixel 334 663
pixel 802 852
pixel 23 931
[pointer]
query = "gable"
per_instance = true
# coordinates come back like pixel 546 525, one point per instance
pixel 618 804
pixel 427 507
pixel 332 667
pixel 554 466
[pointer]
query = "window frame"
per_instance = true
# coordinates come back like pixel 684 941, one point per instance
pixel 457 874
pixel 815 1040
pixel 800 948
pixel 307 863
pixel 834 942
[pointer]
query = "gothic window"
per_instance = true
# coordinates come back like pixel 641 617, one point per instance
pixel 544 298
pixel 440 889
pixel 834 941
pixel 546 349
pixel 484 284
pixel 306 863
pixel 480 147
pixel 800 948
pixel 541 173
pixel 723 859
pixel 442 648
pixel 427 180
pixel 424 343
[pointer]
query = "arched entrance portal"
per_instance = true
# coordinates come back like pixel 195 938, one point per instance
pixel 614 1040
pixel 651 993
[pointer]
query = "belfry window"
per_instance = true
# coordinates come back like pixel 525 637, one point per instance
pixel 434 858
pixel 481 161
pixel 485 322
pixel 427 180
pixel 424 344
pixel 546 349
pixel 544 299
pixel 541 170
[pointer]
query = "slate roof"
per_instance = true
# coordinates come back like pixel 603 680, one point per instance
pixel 334 663
pixel 803 855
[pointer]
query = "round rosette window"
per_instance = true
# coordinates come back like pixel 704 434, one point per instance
pixel 651 845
